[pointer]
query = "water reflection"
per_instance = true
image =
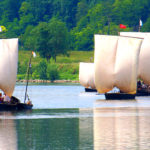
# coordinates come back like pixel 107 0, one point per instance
pixel 47 129
pixel 8 136
pixel 121 128
pixel 60 129
pixel 100 128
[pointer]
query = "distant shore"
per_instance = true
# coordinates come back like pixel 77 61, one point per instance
pixel 48 81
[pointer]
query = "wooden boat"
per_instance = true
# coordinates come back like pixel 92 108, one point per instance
pixel 144 63
pixel 11 106
pixel 86 76
pixel 116 96
pixel 8 73
pixel 143 90
pixel 90 90
pixel 116 65
pixel 142 93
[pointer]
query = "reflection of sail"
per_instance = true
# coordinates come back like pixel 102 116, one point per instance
pixel 116 62
pixel 86 75
pixel 8 64
pixel 144 128
pixel 103 127
pixel 86 129
pixel 8 137
pixel 144 57
pixel 144 63
pixel 121 128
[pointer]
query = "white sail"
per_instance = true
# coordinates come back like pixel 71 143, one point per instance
pixel 144 63
pixel 86 75
pixel 144 60
pixel 116 63
pixel 8 64
pixel 104 57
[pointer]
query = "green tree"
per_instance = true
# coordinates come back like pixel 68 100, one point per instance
pixel 42 69
pixel 96 21
pixel 38 40
pixel 14 29
pixel 58 38
pixel 146 26
pixel 84 39
pixel 22 67
pixel 26 17
pixel 27 39
pixel 52 72
pixel 41 9
pixel 50 39
pixel 128 12
pixel 9 10
pixel 82 9
pixel 66 11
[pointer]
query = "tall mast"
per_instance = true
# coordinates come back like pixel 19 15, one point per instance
pixel 28 71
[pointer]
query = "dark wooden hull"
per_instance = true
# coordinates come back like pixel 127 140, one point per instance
pixel 15 104
pixel 19 106
pixel 119 96
pixel 143 92
pixel 90 90
pixel 23 106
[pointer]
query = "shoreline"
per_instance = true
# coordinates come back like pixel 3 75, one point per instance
pixel 48 81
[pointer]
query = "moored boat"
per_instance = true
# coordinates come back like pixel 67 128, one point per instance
pixel 143 90
pixel 144 63
pixel 90 90
pixel 17 106
pixel 8 73
pixel 119 96
pixel 86 76
pixel 116 65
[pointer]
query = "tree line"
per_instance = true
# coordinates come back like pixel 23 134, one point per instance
pixel 53 27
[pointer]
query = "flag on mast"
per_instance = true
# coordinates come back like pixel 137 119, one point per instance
pixel 122 26
pixel 141 24
pixel 34 54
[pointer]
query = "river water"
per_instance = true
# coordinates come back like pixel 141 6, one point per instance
pixel 64 117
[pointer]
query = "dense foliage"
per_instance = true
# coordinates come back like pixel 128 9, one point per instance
pixel 72 22
pixel 49 39
pixel 66 68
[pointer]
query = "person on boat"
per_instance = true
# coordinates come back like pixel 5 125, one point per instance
pixel 1 98
pixel 6 98
pixel 144 86
pixel 29 102
pixel 148 89
pixel 139 84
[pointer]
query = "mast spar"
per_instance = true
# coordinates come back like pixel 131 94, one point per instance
pixel 28 71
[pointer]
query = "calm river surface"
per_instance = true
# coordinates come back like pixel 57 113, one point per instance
pixel 64 117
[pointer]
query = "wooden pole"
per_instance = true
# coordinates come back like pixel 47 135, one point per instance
pixel 29 66
pixel 139 28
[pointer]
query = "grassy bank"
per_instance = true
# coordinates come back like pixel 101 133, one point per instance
pixel 67 68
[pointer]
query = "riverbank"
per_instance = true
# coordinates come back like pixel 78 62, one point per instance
pixel 65 69
pixel 48 81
